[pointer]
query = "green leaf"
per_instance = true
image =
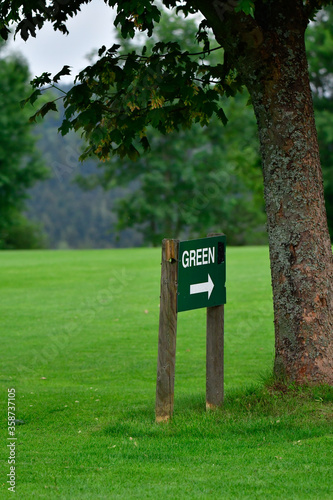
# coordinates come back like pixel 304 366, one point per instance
pixel 116 136
pixel 39 81
pixel 65 127
pixel 49 106
pixel 4 31
pixel 65 71
pixel 246 6
pixel 32 98
pixel 222 116
pixel 145 143
pixel 101 51
pixel 133 153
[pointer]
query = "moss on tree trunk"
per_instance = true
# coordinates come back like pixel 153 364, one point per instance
pixel 270 55
pixel 300 248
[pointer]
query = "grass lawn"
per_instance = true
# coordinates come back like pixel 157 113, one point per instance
pixel 79 336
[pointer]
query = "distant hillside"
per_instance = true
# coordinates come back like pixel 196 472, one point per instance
pixel 70 217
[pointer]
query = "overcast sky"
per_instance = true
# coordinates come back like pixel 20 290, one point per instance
pixel 50 50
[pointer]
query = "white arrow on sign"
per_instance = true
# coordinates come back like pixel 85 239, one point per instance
pixel 207 286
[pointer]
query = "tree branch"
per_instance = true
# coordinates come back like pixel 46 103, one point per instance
pixel 312 6
pixel 208 51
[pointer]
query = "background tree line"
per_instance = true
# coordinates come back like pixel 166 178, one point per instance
pixel 174 191
pixel 20 162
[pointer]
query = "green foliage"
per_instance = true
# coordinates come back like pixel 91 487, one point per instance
pixel 32 14
pixel 192 179
pixel 71 218
pixel 247 6
pixel 118 97
pixel 22 234
pixel 314 6
pixel 192 182
pixel 20 164
pixel 122 99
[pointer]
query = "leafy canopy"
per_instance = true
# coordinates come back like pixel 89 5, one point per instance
pixel 192 179
pixel 115 99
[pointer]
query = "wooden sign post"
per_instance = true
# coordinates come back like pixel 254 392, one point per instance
pixel 167 331
pixel 215 351
pixel 193 276
pixel 215 357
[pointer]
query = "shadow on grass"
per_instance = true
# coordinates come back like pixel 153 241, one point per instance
pixel 275 411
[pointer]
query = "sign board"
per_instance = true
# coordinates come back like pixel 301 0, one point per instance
pixel 201 273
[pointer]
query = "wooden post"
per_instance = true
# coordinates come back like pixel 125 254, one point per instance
pixel 215 354
pixel 167 331
pixel 214 357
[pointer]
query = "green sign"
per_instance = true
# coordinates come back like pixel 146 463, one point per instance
pixel 201 273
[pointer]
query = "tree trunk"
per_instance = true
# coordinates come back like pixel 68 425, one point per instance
pixel 299 242
pixel 270 55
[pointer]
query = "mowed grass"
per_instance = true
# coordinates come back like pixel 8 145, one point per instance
pixel 79 336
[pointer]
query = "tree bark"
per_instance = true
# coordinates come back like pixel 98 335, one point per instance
pixel 269 52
